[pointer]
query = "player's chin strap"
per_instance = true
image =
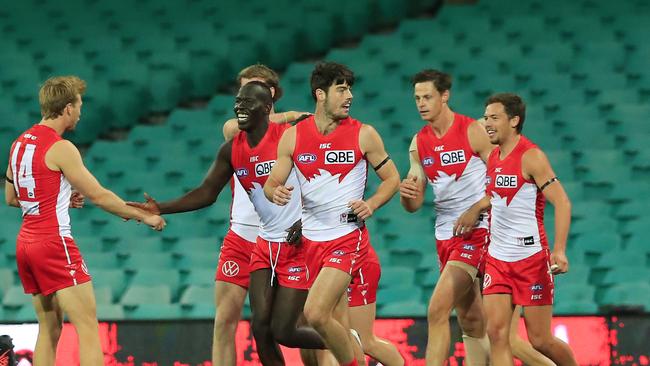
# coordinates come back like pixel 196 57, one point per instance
pixel 549 182
pixel 273 264
pixel 383 162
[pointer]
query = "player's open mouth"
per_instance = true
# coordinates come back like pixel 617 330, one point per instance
pixel 491 132
pixel 242 117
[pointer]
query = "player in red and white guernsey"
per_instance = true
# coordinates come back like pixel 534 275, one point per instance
pixel 43 169
pixel 279 277
pixel 449 153
pixel 519 267
pixel 231 285
pixel 331 153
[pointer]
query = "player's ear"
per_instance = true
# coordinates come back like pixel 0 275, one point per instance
pixel 514 121
pixel 320 94
pixel 445 96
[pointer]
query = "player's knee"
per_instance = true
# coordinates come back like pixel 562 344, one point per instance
pixel 53 330
pixel 437 312
pixel 316 317
pixel 225 321
pixel 261 329
pixel 498 333
pixel 541 342
pixel 472 322
pixel 283 333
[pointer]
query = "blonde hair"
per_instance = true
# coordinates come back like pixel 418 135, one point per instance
pixel 265 73
pixel 57 92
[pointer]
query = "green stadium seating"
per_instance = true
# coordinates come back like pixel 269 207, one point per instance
pixel 404 308
pixel 110 312
pixel 144 295
pixel 113 279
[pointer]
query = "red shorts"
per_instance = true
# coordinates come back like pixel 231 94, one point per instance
pixel 365 280
pixel 340 253
pixel 528 280
pixel 234 260
pixel 470 250
pixel 287 262
pixel 47 265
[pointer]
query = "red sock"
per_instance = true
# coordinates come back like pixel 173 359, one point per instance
pixel 353 363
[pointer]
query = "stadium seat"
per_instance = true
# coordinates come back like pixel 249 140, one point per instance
pixel 574 298
pixel 136 295
pixel 113 279
pixel 107 312
pixel 195 295
pixel 147 311
pixel 626 294
pixel 396 276
pixel 403 309
pixel 14 297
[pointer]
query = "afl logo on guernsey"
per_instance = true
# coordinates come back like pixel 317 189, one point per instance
pixel 306 158
pixel 505 181
pixel 452 157
pixel 339 157
pixel 241 172
pixel 427 162
pixel 264 168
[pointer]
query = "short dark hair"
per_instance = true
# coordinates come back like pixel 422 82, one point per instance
pixel 265 73
pixel 327 73
pixel 441 81
pixel 263 87
pixel 512 104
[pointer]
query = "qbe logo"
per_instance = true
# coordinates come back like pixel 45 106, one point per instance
pixel 452 157
pixel 241 172
pixel 264 168
pixel 505 181
pixel 339 157
pixel 427 162
pixel 306 158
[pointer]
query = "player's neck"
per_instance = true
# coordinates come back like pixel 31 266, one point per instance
pixel 324 123
pixel 508 144
pixel 441 124
pixel 256 135
pixel 57 125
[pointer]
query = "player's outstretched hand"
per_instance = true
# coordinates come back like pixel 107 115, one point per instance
pixel 361 208
pixel 150 205
pixel 559 263
pixel 409 188
pixel 77 200
pixel 294 233
pixel 282 195
pixel 155 222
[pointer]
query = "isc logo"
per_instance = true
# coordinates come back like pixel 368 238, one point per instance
pixel 339 157
pixel 335 260
pixel 466 255
pixel 306 158
pixel 293 278
pixel 536 297
pixel 264 168
pixel 452 157
pixel 241 172
pixel 428 161
pixel 506 181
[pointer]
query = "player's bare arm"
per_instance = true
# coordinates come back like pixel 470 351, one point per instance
pixel 535 165
pixel 10 193
pixel 205 194
pixel 411 189
pixel 230 128
pixel 468 220
pixel 479 140
pixel 63 156
pixel 275 189
pixel 372 147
